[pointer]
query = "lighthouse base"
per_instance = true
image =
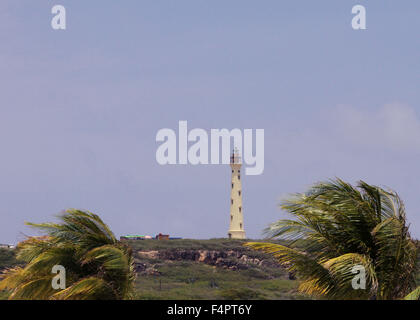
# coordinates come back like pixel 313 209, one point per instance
pixel 236 234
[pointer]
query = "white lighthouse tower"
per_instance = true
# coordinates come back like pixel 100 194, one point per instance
pixel 236 227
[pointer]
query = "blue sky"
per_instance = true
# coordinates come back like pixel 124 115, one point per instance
pixel 80 108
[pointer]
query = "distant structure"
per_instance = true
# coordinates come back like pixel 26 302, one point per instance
pixel 6 246
pixel 236 227
pixel 135 237
pixel 159 236
pixel 162 236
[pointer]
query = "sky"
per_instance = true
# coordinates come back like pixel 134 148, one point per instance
pixel 80 108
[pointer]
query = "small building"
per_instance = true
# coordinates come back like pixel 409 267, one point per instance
pixel 6 246
pixel 161 236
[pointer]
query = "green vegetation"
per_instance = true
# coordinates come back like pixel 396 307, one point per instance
pixel 344 226
pixel 97 265
pixel 186 279
pixel 200 281
pixel 8 258
pixel 211 244
pixel 337 226
pixel 189 279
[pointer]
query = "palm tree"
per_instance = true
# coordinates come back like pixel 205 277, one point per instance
pixel 338 226
pixel 97 265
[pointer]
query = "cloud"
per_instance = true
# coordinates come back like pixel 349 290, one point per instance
pixel 393 126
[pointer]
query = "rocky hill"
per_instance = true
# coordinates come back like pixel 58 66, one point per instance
pixel 231 259
pixel 208 269
pixel 201 269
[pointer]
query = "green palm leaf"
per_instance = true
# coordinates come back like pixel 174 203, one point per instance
pixel 414 295
pixel 337 226
pixel 97 266
pixel 87 289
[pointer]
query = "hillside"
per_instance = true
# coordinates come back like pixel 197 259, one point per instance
pixel 208 269
pixel 200 269
pixel 7 260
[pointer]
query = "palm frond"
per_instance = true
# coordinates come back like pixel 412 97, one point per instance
pixel 414 295
pixel 35 289
pixel 97 265
pixel 91 288
pixel 336 225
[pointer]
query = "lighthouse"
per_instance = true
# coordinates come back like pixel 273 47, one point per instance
pixel 236 225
